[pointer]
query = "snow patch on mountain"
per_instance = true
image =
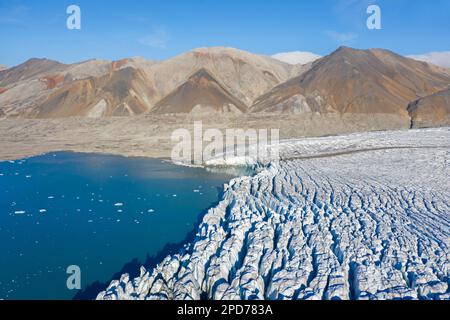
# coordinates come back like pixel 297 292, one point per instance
pixel 296 57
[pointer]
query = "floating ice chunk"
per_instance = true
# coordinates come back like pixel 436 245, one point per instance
pixel 19 212
pixel 119 211
pixel 90 221
pixel 28 176
pixel 42 210
pixel 118 204
pixel 151 210
pixel 51 197
pixel 174 195
pixel 196 191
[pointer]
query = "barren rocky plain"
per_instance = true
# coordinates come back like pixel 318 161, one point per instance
pixel 150 135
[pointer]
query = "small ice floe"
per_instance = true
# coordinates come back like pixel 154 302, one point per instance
pixel 1 174
pixel 10 161
pixel 28 176
pixel 19 212
pixel 42 210
pixel 196 191
pixel 118 204
pixel 119 211
pixel 151 210
pixel 50 197
pixel 90 221
pixel 174 195
pixel 136 221
pixel 118 220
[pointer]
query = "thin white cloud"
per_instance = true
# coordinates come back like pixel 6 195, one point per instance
pixel 158 39
pixel 341 38
pixel 441 59
pixel 296 57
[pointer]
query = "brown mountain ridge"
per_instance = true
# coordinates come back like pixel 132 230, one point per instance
pixel 369 83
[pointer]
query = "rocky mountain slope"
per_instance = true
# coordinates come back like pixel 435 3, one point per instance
pixel 243 75
pixel 433 110
pixel 201 93
pixel 355 81
pixel 119 93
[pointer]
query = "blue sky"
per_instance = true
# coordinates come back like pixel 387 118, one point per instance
pixel 161 29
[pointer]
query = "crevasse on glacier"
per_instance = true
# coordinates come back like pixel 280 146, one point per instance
pixel 356 225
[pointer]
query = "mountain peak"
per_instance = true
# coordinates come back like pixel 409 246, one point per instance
pixel 201 93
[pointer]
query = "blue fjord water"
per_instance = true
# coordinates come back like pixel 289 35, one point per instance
pixel 102 213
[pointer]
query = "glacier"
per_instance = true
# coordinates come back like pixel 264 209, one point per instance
pixel 361 216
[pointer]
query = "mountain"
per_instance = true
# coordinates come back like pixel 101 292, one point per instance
pixel 351 81
pixel 296 57
pixel 243 74
pixel 201 93
pixel 372 87
pixel 123 92
pixel 2 67
pixel 29 70
pixel 431 111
